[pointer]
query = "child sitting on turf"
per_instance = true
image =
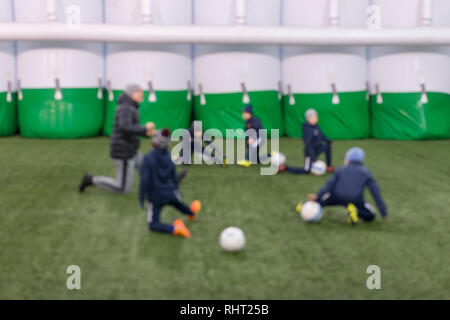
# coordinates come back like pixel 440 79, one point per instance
pixel 252 142
pixel 315 142
pixel 159 186
pixel 198 145
pixel 346 188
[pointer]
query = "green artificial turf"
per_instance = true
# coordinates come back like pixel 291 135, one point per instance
pixel 46 225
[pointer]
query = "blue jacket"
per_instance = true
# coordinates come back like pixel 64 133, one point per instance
pixel 254 123
pixel 313 138
pixel 347 184
pixel 158 178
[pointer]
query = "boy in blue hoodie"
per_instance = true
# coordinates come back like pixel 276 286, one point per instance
pixel 159 186
pixel 315 141
pixel 346 188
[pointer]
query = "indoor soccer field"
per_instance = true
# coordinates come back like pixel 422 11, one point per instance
pixel 46 225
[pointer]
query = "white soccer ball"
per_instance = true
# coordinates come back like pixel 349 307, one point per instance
pixel 277 158
pixel 311 211
pixel 319 168
pixel 232 239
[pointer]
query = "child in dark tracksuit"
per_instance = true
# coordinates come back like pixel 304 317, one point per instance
pixel 159 186
pixel 346 188
pixel 197 144
pixel 252 143
pixel 316 142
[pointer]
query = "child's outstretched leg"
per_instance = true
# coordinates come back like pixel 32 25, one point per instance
pixel 296 170
pixel 189 211
pixel 328 154
pixel 330 167
pixel 326 148
pixel 153 218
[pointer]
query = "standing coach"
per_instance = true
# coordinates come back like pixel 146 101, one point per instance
pixel 124 143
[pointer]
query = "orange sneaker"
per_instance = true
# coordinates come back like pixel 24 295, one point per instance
pixel 196 206
pixel 179 229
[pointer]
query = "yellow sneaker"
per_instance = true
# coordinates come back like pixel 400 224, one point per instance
pixel 243 163
pixel 298 208
pixel 352 217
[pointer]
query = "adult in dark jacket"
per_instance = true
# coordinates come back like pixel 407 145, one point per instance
pixel 346 188
pixel 124 143
pixel 159 186
pixel 315 143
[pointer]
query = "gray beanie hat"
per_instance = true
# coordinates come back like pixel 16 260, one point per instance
pixel 355 154
pixel 161 139
pixel 132 88
pixel 309 113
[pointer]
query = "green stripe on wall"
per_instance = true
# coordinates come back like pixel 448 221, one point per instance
pixel 8 115
pixel 224 110
pixel 78 115
pixel 347 120
pixel 171 110
pixel 402 116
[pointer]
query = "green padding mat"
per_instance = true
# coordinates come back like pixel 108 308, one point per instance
pixel 224 111
pixel 78 115
pixel 170 110
pixel 8 115
pixel 402 116
pixel 347 120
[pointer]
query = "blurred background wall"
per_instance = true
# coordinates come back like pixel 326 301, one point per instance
pixel 70 90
